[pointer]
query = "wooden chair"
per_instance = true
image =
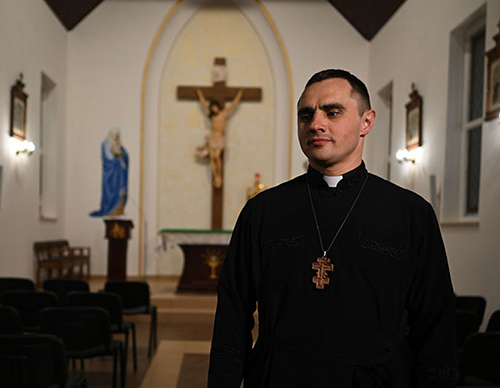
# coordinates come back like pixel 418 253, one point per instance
pixel 80 257
pixel 58 255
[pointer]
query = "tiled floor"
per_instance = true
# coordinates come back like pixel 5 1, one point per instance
pixel 165 367
pixel 184 325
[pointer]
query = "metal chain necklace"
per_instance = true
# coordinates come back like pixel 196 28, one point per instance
pixel 323 264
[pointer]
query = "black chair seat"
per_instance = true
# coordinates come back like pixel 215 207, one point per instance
pixel 139 310
pixel 494 322
pixel 95 351
pixel 86 332
pixel 467 324
pixel 10 321
pixel 113 305
pixel 135 296
pixel 480 360
pixel 29 304
pixel 121 327
pixel 475 304
pixel 62 286
pixel 35 361
pixel 12 283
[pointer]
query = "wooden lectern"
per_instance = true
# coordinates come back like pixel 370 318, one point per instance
pixel 117 233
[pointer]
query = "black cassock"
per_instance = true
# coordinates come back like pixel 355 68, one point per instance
pixel 390 286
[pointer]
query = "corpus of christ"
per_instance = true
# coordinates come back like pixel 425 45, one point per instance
pixel 213 99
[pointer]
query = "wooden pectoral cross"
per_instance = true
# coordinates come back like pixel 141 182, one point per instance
pixel 322 265
pixel 219 93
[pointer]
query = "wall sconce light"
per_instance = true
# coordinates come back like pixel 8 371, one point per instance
pixel 403 155
pixel 22 146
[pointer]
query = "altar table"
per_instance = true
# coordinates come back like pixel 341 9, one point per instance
pixel 204 252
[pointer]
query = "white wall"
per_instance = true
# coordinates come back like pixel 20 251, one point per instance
pixel 106 58
pixel 99 65
pixel 32 41
pixel 407 50
pixel 316 37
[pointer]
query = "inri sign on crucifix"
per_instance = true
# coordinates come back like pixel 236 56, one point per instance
pixel 213 99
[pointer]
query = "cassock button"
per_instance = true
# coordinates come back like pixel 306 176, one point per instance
pixel 324 192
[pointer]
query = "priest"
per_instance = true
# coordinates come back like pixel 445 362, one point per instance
pixel 348 271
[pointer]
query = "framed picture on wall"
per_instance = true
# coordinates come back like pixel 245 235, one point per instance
pixel 493 80
pixel 18 105
pixel 414 120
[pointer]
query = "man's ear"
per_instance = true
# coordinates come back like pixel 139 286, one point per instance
pixel 367 120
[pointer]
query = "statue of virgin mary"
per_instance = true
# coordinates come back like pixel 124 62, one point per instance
pixel 114 176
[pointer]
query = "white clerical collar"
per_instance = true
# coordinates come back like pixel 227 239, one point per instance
pixel 332 181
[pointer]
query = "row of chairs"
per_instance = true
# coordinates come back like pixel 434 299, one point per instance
pixel 72 296
pixel 470 316
pixel 35 361
pixel 135 296
pixel 479 352
pixel 85 332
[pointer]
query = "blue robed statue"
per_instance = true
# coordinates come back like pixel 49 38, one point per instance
pixel 114 176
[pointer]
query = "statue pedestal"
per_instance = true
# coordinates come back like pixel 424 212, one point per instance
pixel 204 252
pixel 118 234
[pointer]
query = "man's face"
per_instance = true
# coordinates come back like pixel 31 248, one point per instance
pixel 330 128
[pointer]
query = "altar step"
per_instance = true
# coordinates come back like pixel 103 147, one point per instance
pixel 164 295
pixel 185 303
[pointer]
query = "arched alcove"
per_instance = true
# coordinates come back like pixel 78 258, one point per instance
pixel 153 92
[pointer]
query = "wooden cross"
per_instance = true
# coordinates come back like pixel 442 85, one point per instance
pixel 322 265
pixel 220 93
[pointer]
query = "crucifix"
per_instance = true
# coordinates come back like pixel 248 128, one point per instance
pixel 322 265
pixel 214 145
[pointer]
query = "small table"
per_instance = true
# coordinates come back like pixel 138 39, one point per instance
pixel 204 252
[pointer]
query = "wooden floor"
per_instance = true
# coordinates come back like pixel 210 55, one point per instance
pixel 185 321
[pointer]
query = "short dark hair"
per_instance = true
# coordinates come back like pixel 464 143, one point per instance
pixel 358 88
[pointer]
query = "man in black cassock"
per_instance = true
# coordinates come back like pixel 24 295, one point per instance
pixel 345 268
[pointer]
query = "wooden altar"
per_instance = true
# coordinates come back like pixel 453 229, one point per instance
pixel 204 252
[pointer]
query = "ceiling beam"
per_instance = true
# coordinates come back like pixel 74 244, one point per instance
pixel 72 12
pixel 368 17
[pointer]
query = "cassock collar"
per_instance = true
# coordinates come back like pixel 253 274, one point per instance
pixel 349 179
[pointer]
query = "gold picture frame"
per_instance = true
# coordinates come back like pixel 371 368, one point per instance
pixel 18 107
pixel 493 79
pixel 414 120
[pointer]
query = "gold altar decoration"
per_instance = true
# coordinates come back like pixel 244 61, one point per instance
pixel 213 258
pixel 257 187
